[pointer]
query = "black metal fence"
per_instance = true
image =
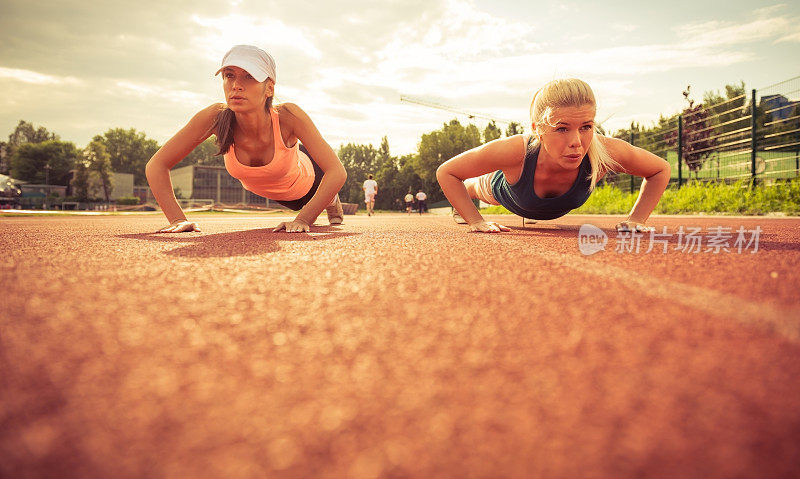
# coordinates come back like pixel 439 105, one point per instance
pixel 753 136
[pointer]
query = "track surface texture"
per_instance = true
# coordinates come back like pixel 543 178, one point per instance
pixel 395 346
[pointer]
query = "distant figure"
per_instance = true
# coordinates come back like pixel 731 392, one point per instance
pixel 421 197
pixel 409 202
pixel 370 191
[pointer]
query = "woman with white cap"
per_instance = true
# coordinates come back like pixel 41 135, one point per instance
pixel 254 137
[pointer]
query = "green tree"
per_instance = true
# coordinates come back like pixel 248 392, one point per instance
pixel 386 176
pixel 203 154
pixel 27 133
pixel 395 176
pixel 698 140
pixel 4 158
pixel 491 132
pixel 407 178
pixel 514 128
pixel 99 163
pixel 439 146
pixel 24 132
pixel 129 151
pixel 384 156
pixel 80 180
pixel 49 161
pixel 358 161
pixel 728 114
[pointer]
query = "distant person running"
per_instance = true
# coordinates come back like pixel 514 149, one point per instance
pixel 553 171
pixel 409 202
pixel 370 191
pixel 421 206
pixel 254 137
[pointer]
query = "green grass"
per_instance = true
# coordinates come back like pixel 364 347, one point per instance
pixel 731 164
pixel 714 198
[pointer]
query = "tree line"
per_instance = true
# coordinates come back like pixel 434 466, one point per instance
pixel 398 175
pixel 37 155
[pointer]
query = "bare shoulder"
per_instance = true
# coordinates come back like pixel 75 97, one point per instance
pixel 511 143
pixel 507 154
pixel 205 117
pixel 615 146
pixel 202 122
pixel 212 110
pixel 505 151
pixel 289 108
pixel 291 113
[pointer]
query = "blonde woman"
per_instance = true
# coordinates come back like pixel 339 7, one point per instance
pixel 553 171
pixel 261 145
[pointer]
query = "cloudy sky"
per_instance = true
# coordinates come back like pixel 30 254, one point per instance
pixel 79 68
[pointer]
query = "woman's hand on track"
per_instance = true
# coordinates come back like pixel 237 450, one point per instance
pixel 295 226
pixel 489 227
pixel 179 226
pixel 628 226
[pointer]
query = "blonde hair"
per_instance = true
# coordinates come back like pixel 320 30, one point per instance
pixel 575 93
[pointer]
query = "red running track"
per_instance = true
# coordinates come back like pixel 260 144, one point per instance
pixel 396 346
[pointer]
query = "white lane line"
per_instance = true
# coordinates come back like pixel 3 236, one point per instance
pixel 781 320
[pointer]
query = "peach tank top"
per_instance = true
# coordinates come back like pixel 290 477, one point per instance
pixel 287 177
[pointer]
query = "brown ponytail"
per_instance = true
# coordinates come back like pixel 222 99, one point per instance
pixel 223 127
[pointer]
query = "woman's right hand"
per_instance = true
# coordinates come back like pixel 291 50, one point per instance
pixel 295 226
pixel 179 226
pixel 488 227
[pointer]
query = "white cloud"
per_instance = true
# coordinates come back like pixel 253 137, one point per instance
pixel 221 33
pixel 36 78
pixel 153 92
pixel 625 27
pixel 716 33
pixel 791 38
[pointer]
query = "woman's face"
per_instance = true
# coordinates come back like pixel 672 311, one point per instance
pixel 242 91
pixel 567 142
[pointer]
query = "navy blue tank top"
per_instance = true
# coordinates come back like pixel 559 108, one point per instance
pixel 521 199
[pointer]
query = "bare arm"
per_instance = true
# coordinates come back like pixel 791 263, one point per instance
pixel 638 162
pixel 501 154
pixel 169 155
pixel 334 173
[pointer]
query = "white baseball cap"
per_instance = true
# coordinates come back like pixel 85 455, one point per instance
pixel 253 60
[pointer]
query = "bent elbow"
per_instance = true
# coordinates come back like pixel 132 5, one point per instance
pixel 339 176
pixel 152 168
pixel 666 171
pixel 148 169
pixel 151 165
pixel 441 172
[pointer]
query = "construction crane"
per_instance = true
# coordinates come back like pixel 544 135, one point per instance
pixel 439 106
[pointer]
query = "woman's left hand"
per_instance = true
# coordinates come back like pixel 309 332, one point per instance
pixel 179 226
pixel 295 226
pixel 628 226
